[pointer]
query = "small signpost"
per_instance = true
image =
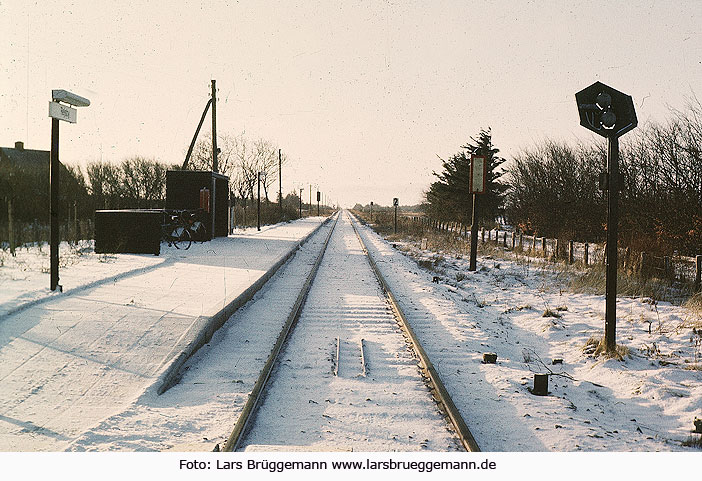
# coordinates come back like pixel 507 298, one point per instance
pixel 609 113
pixel 58 111
pixel 478 185
pixel 395 203
pixel 371 207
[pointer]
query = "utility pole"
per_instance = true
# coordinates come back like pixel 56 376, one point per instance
pixel 214 127
pixel 280 183
pixel 258 204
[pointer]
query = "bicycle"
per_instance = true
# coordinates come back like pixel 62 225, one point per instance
pixel 177 231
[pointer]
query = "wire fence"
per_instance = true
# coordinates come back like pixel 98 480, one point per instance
pixel 678 268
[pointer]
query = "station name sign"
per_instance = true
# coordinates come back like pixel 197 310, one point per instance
pixel 62 112
pixel 478 175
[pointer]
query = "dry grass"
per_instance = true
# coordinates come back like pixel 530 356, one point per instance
pixel 551 313
pixel 693 442
pixel 590 280
pixel 694 307
pixel 593 281
pixel 596 346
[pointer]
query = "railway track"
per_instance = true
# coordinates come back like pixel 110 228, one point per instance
pixel 343 372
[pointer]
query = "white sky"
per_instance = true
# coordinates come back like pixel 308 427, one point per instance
pixel 361 96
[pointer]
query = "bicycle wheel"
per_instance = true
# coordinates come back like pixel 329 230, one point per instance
pixel 182 238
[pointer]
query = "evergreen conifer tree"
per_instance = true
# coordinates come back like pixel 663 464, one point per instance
pixel 448 197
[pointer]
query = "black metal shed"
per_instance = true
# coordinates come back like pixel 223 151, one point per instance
pixel 201 189
pixel 136 231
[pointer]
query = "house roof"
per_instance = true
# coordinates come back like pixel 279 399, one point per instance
pixel 36 158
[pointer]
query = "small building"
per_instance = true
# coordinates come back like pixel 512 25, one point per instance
pixel 201 189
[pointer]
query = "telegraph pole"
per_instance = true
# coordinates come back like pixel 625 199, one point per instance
pixel 258 205
pixel 280 183
pixel 214 127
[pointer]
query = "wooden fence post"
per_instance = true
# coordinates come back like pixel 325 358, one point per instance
pixel 533 244
pixel 586 254
pixel 514 240
pixel 504 239
pixel 482 235
pixel 666 266
pixel 543 245
pixel 521 241
pixel 557 250
pixel 698 273
pixel 10 226
pixel 571 252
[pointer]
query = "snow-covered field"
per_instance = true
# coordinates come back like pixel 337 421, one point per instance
pixel 524 312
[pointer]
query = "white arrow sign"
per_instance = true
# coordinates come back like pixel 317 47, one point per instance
pixel 62 112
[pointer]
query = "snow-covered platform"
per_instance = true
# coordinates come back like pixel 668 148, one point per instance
pixel 69 360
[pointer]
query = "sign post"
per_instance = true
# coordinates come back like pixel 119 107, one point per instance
pixel 395 203
pixel 371 211
pixel 609 113
pixel 58 111
pixel 478 185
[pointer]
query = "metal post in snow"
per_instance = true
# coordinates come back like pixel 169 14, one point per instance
pixel 54 207
pixel 474 237
pixel 214 128
pixel 609 113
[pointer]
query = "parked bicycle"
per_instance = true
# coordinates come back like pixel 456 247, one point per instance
pixel 180 229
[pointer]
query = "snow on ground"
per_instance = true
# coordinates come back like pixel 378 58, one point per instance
pixel 524 313
pixel 200 411
pixel 307 404
pixel 69 360
pixel 388 409
pixel 24 277
pixel 96 398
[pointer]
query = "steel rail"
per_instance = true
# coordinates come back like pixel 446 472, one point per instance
pixel 254 398
pixel 442 395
